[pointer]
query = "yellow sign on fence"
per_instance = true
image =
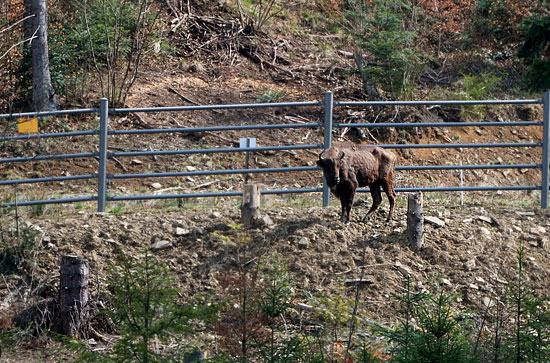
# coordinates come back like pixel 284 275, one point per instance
pixel 27 126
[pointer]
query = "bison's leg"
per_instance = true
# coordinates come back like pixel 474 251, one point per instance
pixel 388 188
pixel 343 204
pixel 376 198
pixel 346 200
pixel 349 205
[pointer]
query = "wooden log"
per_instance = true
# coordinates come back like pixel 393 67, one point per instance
pixel 250 207
pixel 415 220
pixel 73 296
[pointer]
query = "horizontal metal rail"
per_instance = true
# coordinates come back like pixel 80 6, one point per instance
pixel 440 124
pixel 49 201
pixel 437 103
pixel 47 157
pixel 213 172
pixel 469 167
pixel 310 190
pixel 213 128
pixel 216 107
pixel 46 180
pixel 465 189
pixel 208 195
pixel 312 168
pixel 257 171
pixel 49 135
pixel 211 151
pixel 458 146
pixel 49 113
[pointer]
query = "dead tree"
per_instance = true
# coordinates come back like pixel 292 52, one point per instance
pixel 73 296
pixel 415 220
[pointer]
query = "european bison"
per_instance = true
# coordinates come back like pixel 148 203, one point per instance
pixel 347 166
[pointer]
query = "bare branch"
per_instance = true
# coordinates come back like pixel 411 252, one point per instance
pixel 34 36
pixel 17 22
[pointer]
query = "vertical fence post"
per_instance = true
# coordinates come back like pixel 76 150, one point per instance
pixel 102 170
pixel 329 104
pixel 545 151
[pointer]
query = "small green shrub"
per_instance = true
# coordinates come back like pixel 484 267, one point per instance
pixel 271 97
pixel 388 32
pixel 16 246
pixel 471 88
pixel 529 339
pixel 145 311
pixel 436 335
pixel 256 13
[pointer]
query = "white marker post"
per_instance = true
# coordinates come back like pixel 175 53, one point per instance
pixel 247 143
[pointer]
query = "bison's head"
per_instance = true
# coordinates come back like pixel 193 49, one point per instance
pixel 331 161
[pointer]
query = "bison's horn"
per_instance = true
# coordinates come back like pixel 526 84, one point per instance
pixel 342 156
pixel 321 153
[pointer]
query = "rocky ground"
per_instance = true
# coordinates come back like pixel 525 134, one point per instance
pixel 469 249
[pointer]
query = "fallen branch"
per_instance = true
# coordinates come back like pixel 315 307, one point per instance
pixel 204 185
pixel 187 99
pixel 364 266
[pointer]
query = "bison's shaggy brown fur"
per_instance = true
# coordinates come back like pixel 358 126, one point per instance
pixel 347 166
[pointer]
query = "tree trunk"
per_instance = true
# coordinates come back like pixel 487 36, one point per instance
pixel 368 87
pixel 73 296
pixel 415 220
pixel 43 94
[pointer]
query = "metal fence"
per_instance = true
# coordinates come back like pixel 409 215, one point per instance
pixel 327 125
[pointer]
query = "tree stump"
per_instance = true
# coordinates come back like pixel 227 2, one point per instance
pixel 250 207
pixel 73 296
pixel 415 220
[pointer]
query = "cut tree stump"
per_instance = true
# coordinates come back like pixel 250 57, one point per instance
pixel 73 296
pixel 415 220
pixel 250 207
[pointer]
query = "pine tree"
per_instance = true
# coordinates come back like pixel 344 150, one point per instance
pixel 536 52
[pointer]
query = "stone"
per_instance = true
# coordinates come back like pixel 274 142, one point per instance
pixel 446 282
pixel 434 221
pixel 112 241
pixel 516 228
pixel 480 280
pixel 266 221
pixel 181 231
pixel 357 282
pixel 539 231
pixel 198 230
pixel 136 162
pixel 473 286
pixel 484 232
pixel 487 302
pixel 470 264
pixel 156 185
pixel 216 215
pixel 485 219
pixel 161 245
pixel 190 168
pixel 525 214
pixel 405 270
pixel 303 242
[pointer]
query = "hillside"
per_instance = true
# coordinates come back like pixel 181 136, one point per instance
pixel 207 57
